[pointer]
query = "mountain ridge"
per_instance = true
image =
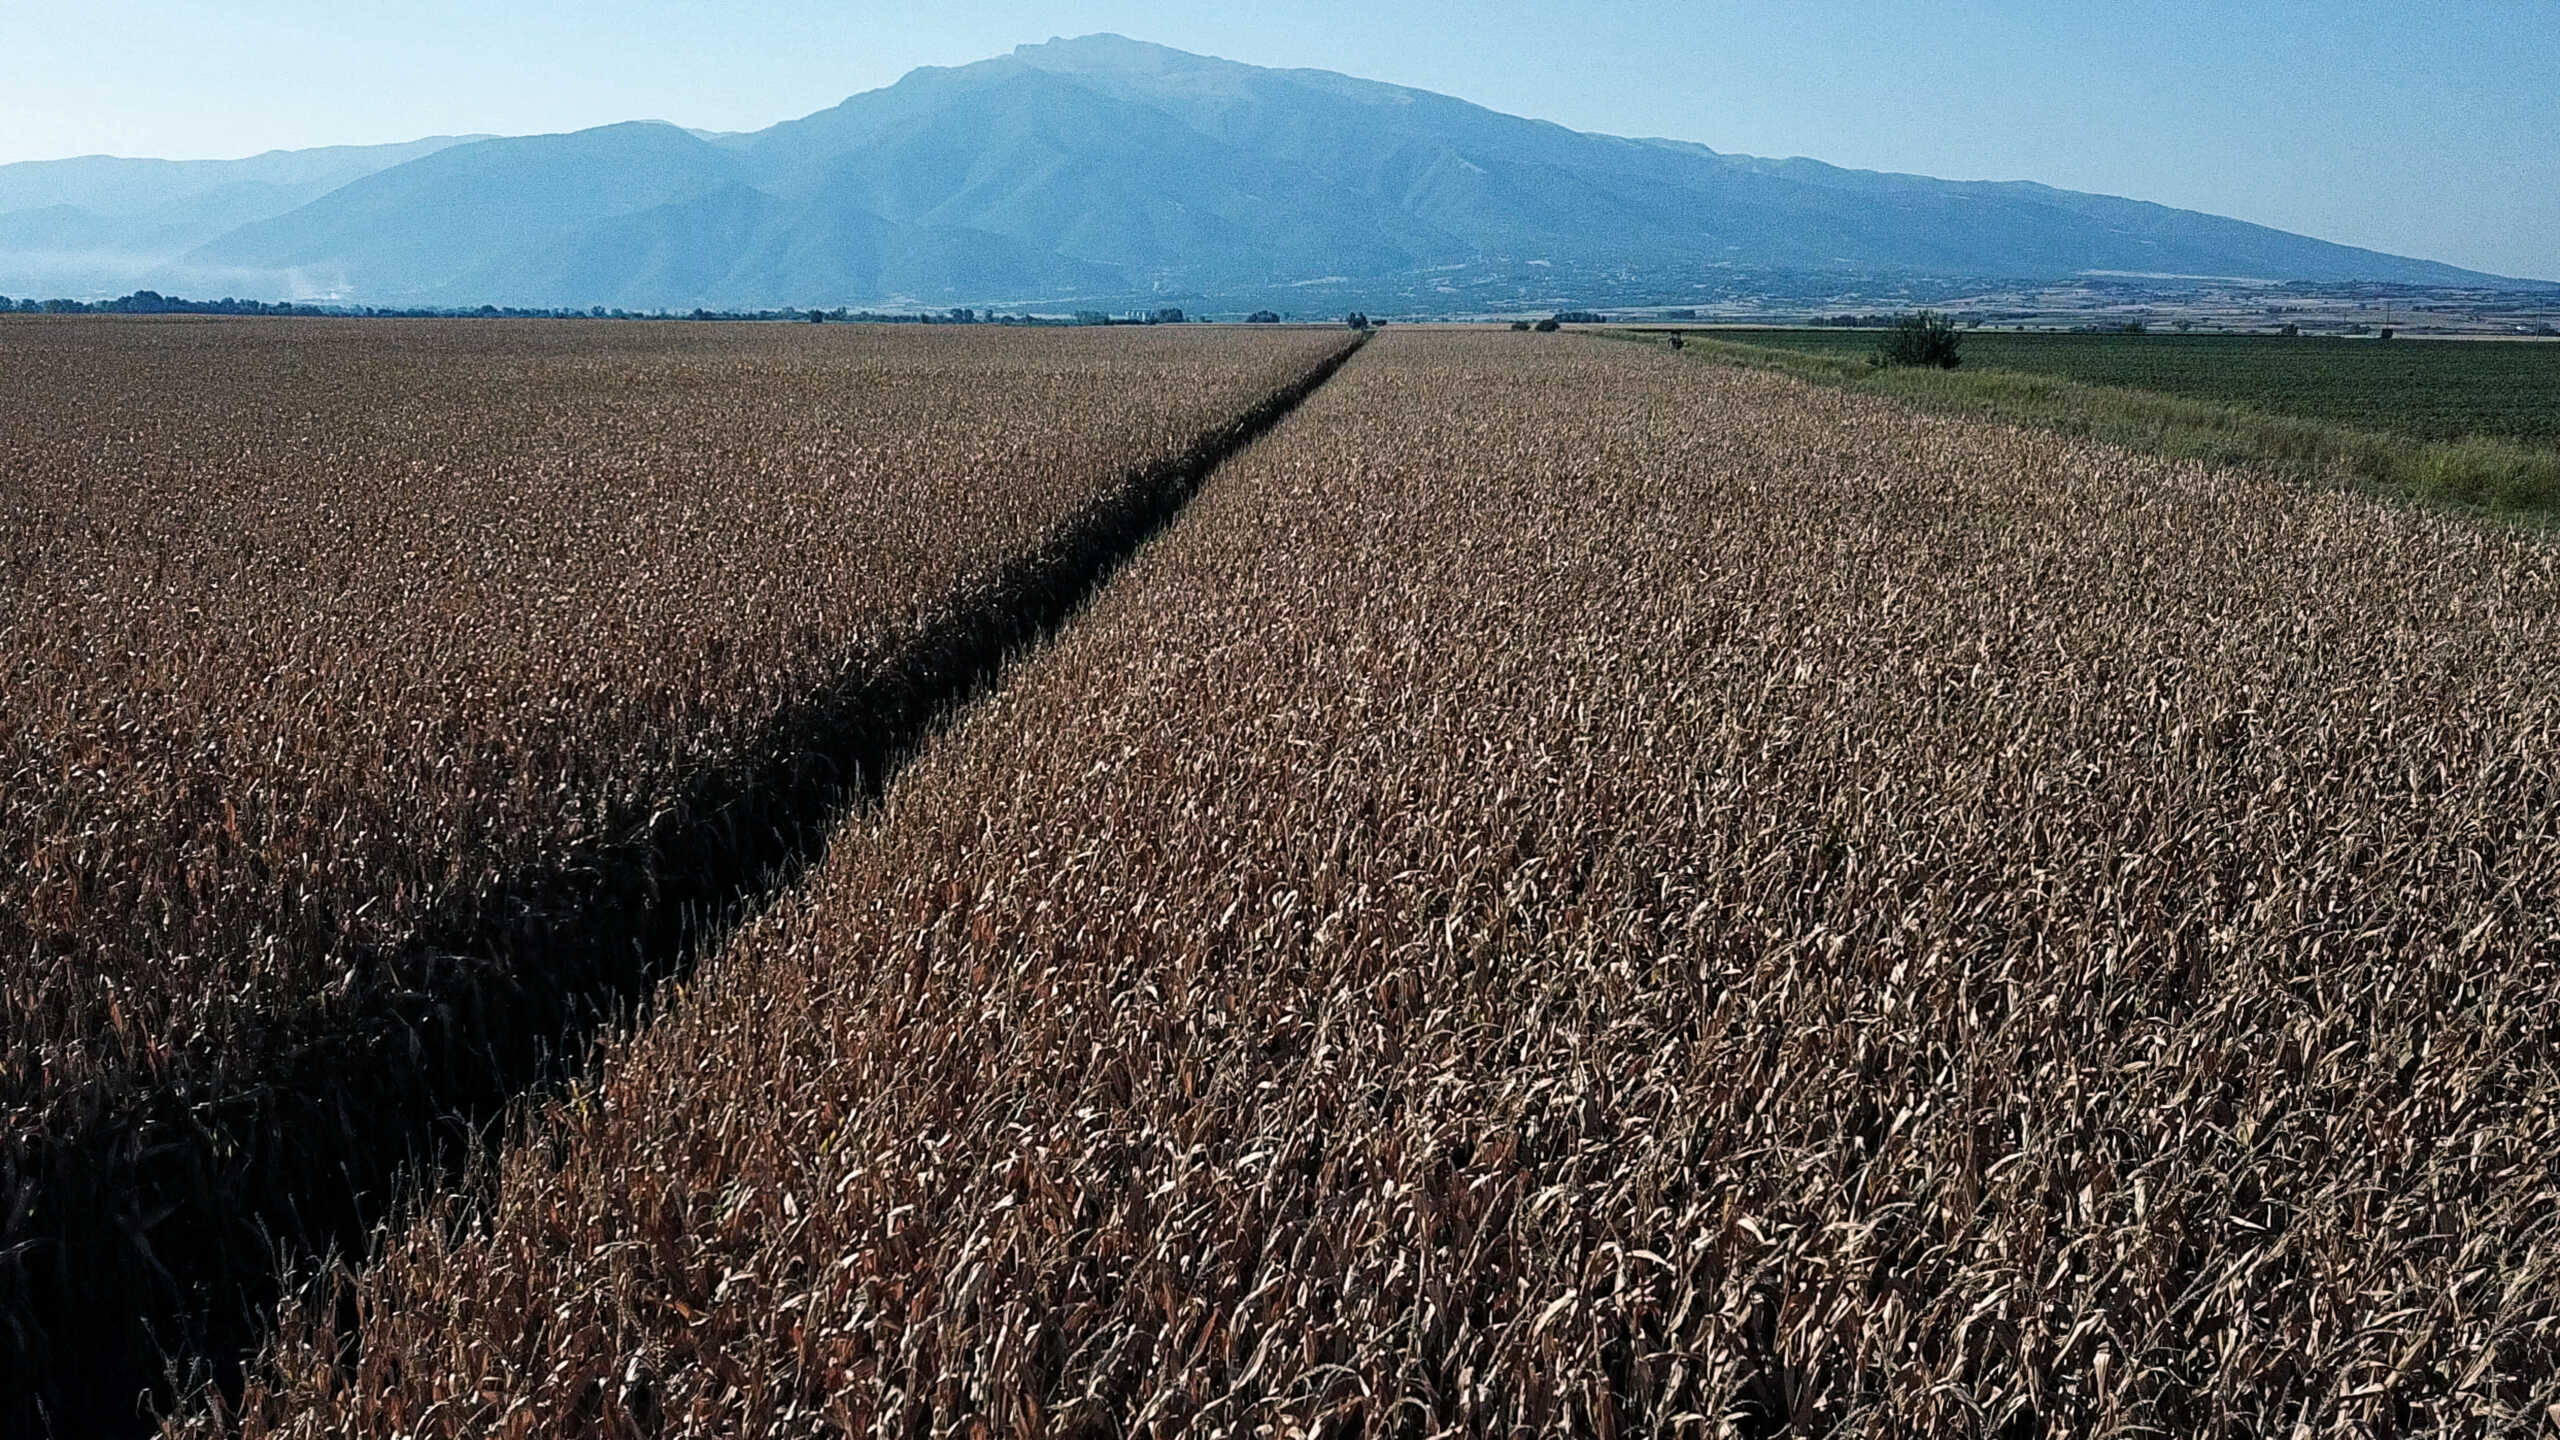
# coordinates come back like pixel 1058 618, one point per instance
pixel 98 224
pixel 1104 168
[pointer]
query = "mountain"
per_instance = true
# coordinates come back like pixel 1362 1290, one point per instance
pixel 1103 169
pixel 101 222
pixel 476 219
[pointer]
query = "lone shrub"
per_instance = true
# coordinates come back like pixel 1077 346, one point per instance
pixel 1924 338
pixel 1546 327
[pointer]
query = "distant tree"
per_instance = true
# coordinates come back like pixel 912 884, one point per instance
pixel 2290 328
pixel 1169 315
pixel 963 315
pixel 1678 344
pixel 2386 332
pixel 817 317
pixel 1356 320
pixel 1519 324
pixel 1263 317
pixel 1548 326
pixel 1924 338
pixel 2183 326
pixel 1580 317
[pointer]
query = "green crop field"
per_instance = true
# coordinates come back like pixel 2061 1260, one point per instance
pixel 2423 389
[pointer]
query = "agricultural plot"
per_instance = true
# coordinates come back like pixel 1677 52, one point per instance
pixel 2419 389
pixel 1578 891
pixel 372 695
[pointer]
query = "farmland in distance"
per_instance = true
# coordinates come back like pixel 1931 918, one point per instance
pixel 2418 389
pixel 1578 891
pixel 357 680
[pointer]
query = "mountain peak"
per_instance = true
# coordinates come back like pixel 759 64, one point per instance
pixel 1136 69
pixel 1106 51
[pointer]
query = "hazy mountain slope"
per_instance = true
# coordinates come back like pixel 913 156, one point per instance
pixel 1103 169
pixel 1518 184
pixel 1318 174
pixel 835 246
pixel 2168 234
pixel 1063 168
pixel 739 246
pixel 678 255
pixel 469 221
pixel 114 185
pixel 103 223
pixel 57 227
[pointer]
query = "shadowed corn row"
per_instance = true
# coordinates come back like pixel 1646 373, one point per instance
pixel 521 742
pixel 1577 893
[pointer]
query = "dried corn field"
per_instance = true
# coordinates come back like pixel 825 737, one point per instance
pixel 345 667
pixel 1577 892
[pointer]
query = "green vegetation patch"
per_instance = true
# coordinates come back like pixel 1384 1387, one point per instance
pixel 2489 471
pixel 2421 389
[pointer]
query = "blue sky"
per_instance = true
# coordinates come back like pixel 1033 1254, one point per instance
pixel 2425 129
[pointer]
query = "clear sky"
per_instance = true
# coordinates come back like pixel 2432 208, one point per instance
pixel 2428 129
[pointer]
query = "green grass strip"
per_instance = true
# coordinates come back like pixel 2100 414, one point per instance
pixel 2485 474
